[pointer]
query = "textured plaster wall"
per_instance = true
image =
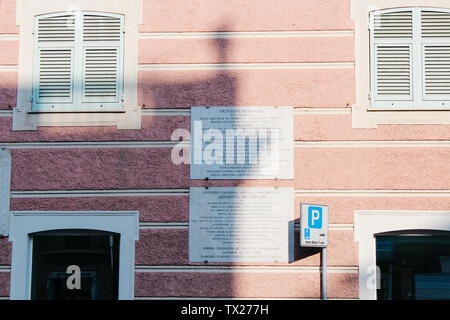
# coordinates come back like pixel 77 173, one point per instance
pixel 323 78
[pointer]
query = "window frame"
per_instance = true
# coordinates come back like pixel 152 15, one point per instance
pixel 417 44
pixel 25 223
pixel 369 223
pixel 77 103
pixel 128 117
pixel 363 116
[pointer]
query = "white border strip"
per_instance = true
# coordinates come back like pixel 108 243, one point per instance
pixel 224 298
pixel 6 113
pixel 92 144
pixel 171 144
pixel 9 36
pixel 233 269
pixel 185 192
pixel 320 111
pixel 185 226
pixel 297 111
pixel 246 35
pixel 165 112
pixel 243 66
pixel 402 213
pixel 187 112
pixel 9 68
pixel 163 225
pixel 372 193
pixel 372 144
pixel 5 268
pixel 99 193
pixel 243 269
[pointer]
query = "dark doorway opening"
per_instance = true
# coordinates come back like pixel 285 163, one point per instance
pixel 414 265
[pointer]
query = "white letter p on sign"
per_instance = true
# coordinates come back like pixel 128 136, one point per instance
pixel 315 216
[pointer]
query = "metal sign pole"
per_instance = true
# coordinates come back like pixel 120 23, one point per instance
pixel 314 233
pixel 324 273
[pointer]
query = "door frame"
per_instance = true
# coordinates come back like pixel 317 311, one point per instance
pixel 369 223
pixel 23 223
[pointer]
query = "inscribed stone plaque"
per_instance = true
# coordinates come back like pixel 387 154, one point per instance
pixel 241 224
pixel 242 143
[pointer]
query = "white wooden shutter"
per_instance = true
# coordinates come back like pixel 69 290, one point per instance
pixel 435 34
pixel 102 58
pixel 78 62
pixel 55 75
pixel 393 72
pixel 391 60
pixel 53 79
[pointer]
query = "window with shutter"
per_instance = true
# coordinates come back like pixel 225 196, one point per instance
pixel 78 62
pixel 410 59
pixel 436 52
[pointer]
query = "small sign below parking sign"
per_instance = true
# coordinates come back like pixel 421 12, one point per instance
pixel 313 225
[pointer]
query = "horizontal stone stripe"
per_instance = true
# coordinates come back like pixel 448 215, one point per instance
pixel 339 127
pixel 8 89
pixel 215 67
pixel 154 209
pixel 187 111
pixel 342 208
pixel 371 168
pixel 186 144
pixel 103 169
pixel 219 50
pixel 171 247
pixel 307 127
pixel 9 52
pixel 151 225
pixel 183 89
pixel 243 269
pixel 175 208
pixel 249 285
pixel 252 15
pixel 66 169
pixel 246 50
pixel 242 34
pixel 405 168
pixel 101 193
pixel 231 269
pixel 340 285
pixel 153 128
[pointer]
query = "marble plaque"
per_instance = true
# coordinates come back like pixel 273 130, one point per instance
pixel 242 143
pixel 241 224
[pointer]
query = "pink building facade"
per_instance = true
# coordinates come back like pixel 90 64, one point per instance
pixel 382 170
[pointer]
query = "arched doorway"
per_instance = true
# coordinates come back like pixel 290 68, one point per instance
pixel 44 244
pixel 370 224
pixel 75 264
pixel 413 264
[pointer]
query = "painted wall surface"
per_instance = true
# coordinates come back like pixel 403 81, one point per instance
pixel 228 53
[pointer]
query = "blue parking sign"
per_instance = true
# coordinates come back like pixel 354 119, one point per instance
pixel 314 225
pixel 315 217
